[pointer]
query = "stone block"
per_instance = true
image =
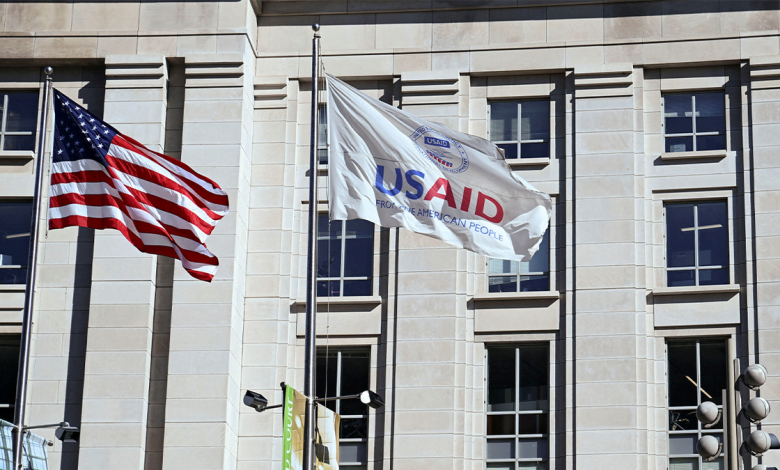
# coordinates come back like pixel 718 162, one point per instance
pixel 29 17
pixel 403 30
pixel 76 47
pixel 575 23
pixel 626 20
pixel 460 28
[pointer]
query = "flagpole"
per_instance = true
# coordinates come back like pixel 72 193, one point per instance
pixel 311 267
pixel 29 292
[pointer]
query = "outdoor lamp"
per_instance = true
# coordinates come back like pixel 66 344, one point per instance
pixel 67 433
pixel 372 399
pixel 255 400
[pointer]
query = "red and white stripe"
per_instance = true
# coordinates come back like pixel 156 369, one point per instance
pixel 159 204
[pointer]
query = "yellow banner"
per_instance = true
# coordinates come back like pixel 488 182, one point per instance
pixel 327 443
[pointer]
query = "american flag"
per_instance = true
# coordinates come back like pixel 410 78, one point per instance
pixel 103 179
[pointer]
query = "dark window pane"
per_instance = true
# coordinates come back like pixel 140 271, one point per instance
pixel 710 142
pixel 684 464
pixel 678 113
pixel 19 142
pixel 533 378
pixel 353 452
pixel 15 220
pixel 683 420
pixel 22 112
pixel 534 120
pixel 539 150
pixel 359 248
pixel 680 236
pixel 510 151
pixel 540 263
pixel 501 466
pixel 501 448
pixel 503 121
pixel 501 379
pixel 328 288
pixel 532 424
pixel 9 365
pixel 710 113
pixel 680 278
pixel 535 283
pixel 502 266
pixel 532 448
pixel 498 425
pixel 713 234
pixel 328 247
pixel 322 135
pixel 322 156
pixel 502 284
pixel 356 428
pixel 679 144
pixel 713 277
pixel 327 365
pixel 355 369
pixel 682 374
pixel 682 444
pixel 714 370
pixel 357 288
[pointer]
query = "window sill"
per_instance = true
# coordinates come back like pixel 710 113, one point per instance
pixel 356 300
pixel 695 155
pixel 492 296
pixel 520 162
pixel 26 154
pixel 12 287
pixel 694 290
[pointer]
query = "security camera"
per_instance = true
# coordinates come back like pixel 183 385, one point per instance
pixel 754 376
pixel 255 400
pixel 709 447
pixel 756 409
pixel 761 441
pixel 67 433
pixel 371 399
pixel 708 413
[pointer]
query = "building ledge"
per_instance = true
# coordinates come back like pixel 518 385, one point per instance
pixel 521 162
pixel 696 290
pixel 497 296
pixel 25 154
pixel 356 300
pixel 12 287
pixel 695 155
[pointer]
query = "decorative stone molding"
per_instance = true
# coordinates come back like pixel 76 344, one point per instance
pixel 765 72
pixel 430 87
pixel 604 80
pixel 136 71
pixel 213 70
pixel 270 92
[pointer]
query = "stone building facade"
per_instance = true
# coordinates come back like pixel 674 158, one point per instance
pixel 652 124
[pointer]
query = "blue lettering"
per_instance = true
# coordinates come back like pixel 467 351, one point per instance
pixel 445 218
pixel 417 185
pixel 437 142
pixel 380 184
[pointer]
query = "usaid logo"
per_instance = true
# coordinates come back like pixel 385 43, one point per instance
pixel 446 153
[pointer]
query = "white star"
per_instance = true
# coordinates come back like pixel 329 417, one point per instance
pixel 81 116
pixel 83 123
pixel 94 128
pixel 67 129
pixel 67 144
pixel 105 131
pixel 89 140
pixel 59 151
pixel 71 136
pixel 100 146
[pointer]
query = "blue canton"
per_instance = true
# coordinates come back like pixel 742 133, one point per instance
pixel 78 134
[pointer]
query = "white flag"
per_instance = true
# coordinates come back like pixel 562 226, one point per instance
pixel 397 170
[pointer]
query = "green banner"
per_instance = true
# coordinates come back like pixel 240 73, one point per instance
pixel 293 431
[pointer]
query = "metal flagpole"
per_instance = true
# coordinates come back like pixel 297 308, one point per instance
pixel 29 293
pixel 311 267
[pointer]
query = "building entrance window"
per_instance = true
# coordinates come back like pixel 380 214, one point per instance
pixel 697 372
pixel 517 407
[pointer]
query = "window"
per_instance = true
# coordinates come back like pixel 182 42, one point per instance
pixel 532 139
pixel 697 244
pixel 517 407
pixel 521 276
pixel 15 220
pixel 322 136
pixel 19 112
pixel 346 372
pixel 694 122
pixel 9 366
pixel 345 257
pixel 697 371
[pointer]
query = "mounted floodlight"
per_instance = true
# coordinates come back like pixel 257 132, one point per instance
pixel 756 409
pixel 709 447
pixel 372 399
pixel 754 376
pixel 67 433
pixel 761 441
pixel 255 400
pixel 708 413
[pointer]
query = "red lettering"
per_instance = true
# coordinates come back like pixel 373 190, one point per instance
pixel 447 196
pixel 480 210
pixel 464 205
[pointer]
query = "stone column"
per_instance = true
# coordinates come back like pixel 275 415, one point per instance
pixel 609 326
pixel 121 310
pixel 204 363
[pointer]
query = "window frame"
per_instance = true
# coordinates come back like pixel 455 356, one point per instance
pixel 700 431
pixel 342 278
pixel 4 116
pixel 548 140
pixel 696 268
pixel 322 117
pixel 339 350
pixel 548 436
pixel 23 266
pixel 693 134
pixel 518 274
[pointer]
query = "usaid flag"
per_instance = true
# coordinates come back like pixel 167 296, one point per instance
pixel 397 170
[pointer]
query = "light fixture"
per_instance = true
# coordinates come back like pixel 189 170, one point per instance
pixel 372 399
pixel 255 400
pixel 67 433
